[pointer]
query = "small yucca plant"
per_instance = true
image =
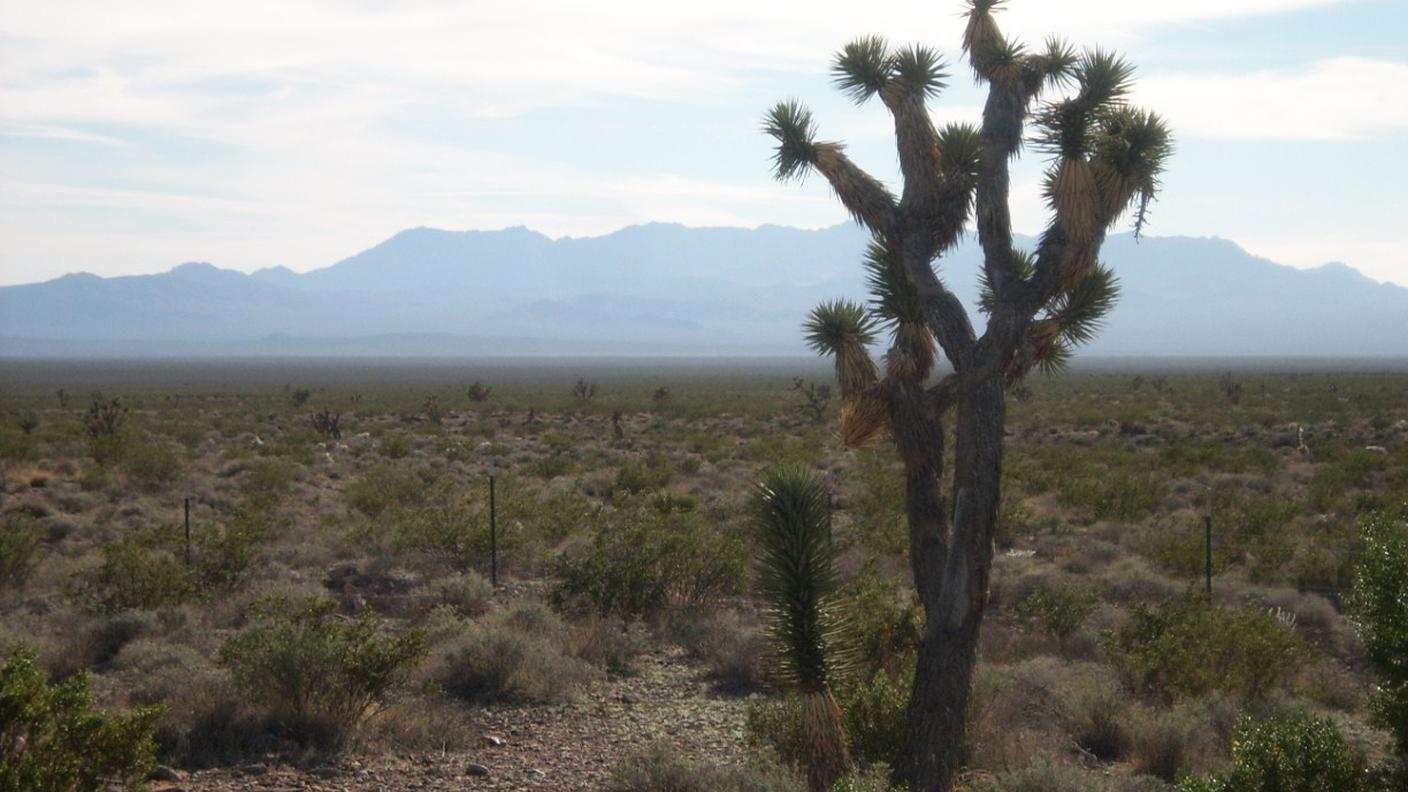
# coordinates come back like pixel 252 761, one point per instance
pixel 798 581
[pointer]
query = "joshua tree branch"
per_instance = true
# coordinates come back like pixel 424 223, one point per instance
pixel 862 194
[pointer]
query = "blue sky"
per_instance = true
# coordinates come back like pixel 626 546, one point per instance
pixel 135 136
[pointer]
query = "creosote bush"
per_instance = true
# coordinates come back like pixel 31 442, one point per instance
pixel 1190 646
pixel 317 673
pixel 646 560
pixel 51 738
pixel 1381 605
pixel 19 545
pixel 1297 754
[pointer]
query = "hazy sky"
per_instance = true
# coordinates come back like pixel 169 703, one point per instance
pixel 138 135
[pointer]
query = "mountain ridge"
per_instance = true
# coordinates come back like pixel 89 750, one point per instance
pixel 683 287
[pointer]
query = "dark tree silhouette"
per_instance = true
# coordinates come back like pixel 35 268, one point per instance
pixel 1106 157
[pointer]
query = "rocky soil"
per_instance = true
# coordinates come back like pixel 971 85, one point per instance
pixel 557 747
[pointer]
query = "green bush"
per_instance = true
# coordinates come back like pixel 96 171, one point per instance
pixel 149 462
pixel 882 621
pixel 1190 646
pixel 1058 610
pixel 1305 754
pixel 384 489
pixel 137 572
pixel 643 475
pixel 1380 603
pixel 19 544
pixel 646 560
pixel 874 710
pixel 52 740
pixel 317 673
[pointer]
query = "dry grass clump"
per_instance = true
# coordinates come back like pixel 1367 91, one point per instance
pixel 519 654
pixel 660 769
pixel 468 593
pixel 729 642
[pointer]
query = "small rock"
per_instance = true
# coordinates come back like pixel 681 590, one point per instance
pixel 495 741
pixel 164 773
pixel 476 770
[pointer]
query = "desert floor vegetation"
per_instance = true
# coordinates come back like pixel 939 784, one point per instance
pixel 329 620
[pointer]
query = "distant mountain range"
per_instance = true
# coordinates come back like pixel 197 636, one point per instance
pixel 663 289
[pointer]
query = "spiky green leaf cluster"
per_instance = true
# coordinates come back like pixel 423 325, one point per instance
pixel 1081 311
pixel 867 66
pixel 838 325
pixel 1066 127
pixel 894 297
pixel 960 152
pixel 862 67
pixel 921 69
pixel 791 513
pixel 793 127
pixel 1133 145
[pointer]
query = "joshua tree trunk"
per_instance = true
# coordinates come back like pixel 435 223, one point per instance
pixel 1106 158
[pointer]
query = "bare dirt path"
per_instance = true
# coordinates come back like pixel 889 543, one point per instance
pixel 558 747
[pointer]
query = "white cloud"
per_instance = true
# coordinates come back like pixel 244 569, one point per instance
pixel 1333 99
pixel 286 105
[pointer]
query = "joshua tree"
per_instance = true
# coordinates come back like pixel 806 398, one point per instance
pixel 798 581
pixel 478 392
pixel 326 423
pixel 1106 157
pixel 817 396
pixel 584 391
pixel 104 417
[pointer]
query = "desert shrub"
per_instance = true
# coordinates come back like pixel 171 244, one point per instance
pixel 268 479
pixel 15 445
pixel 138 571
pixel 20 536
pixel 205 721
pixel 878 513
pixel 1381 606
pixel 647 560
pixel 776 724
pixel 882 621
pixel 446 526
pixel 730 644
pixel 150 462
pixel 1189 646
pixel 516 655
pixel 875 711
pixel 643 475
pixel 317 673
pixel 1039 778
pixel 1059 610
pixel 395 446
pixel 660 769
pixel 1100 727
pixel 1162 746
pixel 54 740
pixel 467 592
pixel 552 466
pixel 384 488
pixel 1112 495
pixel 1297 754
pixel 610 642
pixel 665 502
